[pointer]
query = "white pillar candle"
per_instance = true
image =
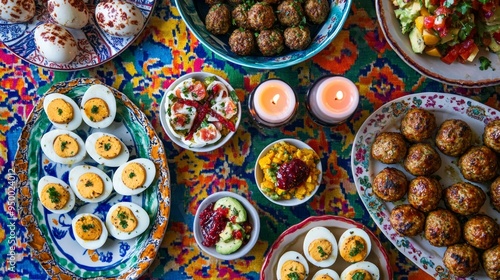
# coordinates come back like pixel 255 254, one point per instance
pixel 274 101
pixel 333 99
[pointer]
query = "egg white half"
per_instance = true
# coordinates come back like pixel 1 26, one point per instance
pixel 368 266
pixel 77 116
pixel 104 93
pixel 113 162
pixel 140 214
pixel 320 233
pixel 356 232
pixel 77 171
pixel 47 143
pixel 328 272
pixel 92 244
pixel 50 179
pixel 120 187
pixel 291 256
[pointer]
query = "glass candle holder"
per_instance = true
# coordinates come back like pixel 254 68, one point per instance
pixel 273 103
pixel 331 100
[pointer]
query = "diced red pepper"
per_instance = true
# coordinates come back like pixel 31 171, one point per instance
pixel 429 22
pixel 452 55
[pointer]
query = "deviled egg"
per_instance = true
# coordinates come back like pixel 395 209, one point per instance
pixel 320 247
pixel 354 245
pixel 222 103
pixel 361 270
pixel 62 111
pixel 98 106
pixel 126 220
pixel 292 265
pixel 191 89
pixel 90 183
pixel 55 195
pixel 63 146
pixel 134 177
pixel 89 231
pixel 106 149
pixel 326 274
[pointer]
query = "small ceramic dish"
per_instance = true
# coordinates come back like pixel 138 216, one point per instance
pixel 259 174
pixel 252 218
pixel 166 104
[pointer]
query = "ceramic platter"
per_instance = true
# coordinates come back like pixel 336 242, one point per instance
pixel 95 47
pixel 51 237
pixel 364 168
pixel 292 240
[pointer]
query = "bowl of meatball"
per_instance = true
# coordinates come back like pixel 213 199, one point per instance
pixel 268 34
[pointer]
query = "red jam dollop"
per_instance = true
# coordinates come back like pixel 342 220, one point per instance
pixel 292 174
pixel 212 223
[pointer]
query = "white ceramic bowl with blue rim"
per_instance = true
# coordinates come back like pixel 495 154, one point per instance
pixel 252 218
pixel 219 45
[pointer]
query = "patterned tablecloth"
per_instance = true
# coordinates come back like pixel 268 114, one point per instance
pixel 167 50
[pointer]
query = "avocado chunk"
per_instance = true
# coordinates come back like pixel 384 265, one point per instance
pixel 227 233
pixel 417 41
pixel 235 208
pixel 228 247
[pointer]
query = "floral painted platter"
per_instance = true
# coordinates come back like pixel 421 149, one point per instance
pixel 95 47
pixel 388 118
pixel 292 240
pixel 52 240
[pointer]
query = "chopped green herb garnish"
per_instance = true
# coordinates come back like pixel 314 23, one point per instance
pixel 358 248
pixel 123 224
pixel 293 276
pixel 107 146
pixel 64 145
pixel 359 276
pixel 89 183
pixel 54 196
pixel 485 63
pixel 86 227
pixel 234 96
pixel 59 111
pixel 131 175
pixel 94 109
pixel 321 251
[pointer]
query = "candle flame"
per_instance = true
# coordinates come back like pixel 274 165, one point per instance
pixel 275 99
pixel 339 95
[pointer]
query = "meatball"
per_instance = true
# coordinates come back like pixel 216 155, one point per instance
pixel 461 259
pixel 218 20
pixel 491 262
pixel 316 10
pixel 491 135
pixel 270 42
pixel 290 13
pixel 464 198
pixel 481 231
pixel 422 160
pixel 390 184
pixel 478 164
pixel 240 16
pixel 261 16
pixel 297 38
pixel 242 42
pixel 495 193
pixel 454 137
pixel 424 193
pixel 418 125
pixel 442 228
pixel 406 220
pixel 389 147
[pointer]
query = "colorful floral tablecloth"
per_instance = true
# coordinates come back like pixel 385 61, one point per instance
pixel 167 50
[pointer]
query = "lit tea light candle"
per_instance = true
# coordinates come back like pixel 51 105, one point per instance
pixel 273 103
pixel 332 100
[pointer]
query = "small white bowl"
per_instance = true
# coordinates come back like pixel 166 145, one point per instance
pixel 167 128
pixel 259 175
pixel 252 217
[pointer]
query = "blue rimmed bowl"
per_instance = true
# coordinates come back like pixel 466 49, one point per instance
pixel 320 39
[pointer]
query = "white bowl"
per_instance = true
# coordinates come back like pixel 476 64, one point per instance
pixel 458 74
pixel 252 216
pixel 259 175
pixel 168 129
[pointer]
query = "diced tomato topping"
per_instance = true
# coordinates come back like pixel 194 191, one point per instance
pixel 237 234
pixel 496 36
pixel 207 134
pixel 198 90
pixel 467 47
pixel 429 21
pixel 452 55
pixel 442 11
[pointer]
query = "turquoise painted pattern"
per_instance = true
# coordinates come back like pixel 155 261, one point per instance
pixel 167 50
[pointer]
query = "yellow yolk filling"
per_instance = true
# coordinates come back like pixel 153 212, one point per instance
pixel 66 146
pixel 108 147
pixel 354 249
pixel 123 219
pixel 293 270
pixel 60 111
pixel 54 196
pixel 96 109
pixel 90 185
pixel 88 228
pixel 134 175
pixel 320 249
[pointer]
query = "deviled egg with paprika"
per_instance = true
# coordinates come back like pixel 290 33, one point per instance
pixel 62 111
pixel 63 146
pixel 126 220
pixel 98 106
pixel 292 265
pixel 326 274
pixel 55 195
pixel 134 177
pixel 106 149
pixel 90 183
pixel 320 247
pixel 361 270
pixel 354 245
pixel 89 231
